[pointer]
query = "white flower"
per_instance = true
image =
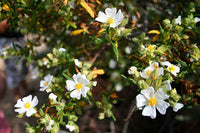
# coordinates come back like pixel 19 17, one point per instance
pixel 178 20
pixel 196 19
pixel 78 86
pixel 118 87
pixel 111 17
pixel 52 97
pixel 132 70
pixel 128 50
pixel 177 106
pixel 146 72
pixel 44 84
pixel 112 64
pixel 152 101
pixel 172 68
pixel 167 85
pixel 34 73
pixel 49 127
pixel 61 50
pixel 78 63
pixel 71 128
pixel 27 105
pixel 155 65
pixel 94 83
pixel 121 4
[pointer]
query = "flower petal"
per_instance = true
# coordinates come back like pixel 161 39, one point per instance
pixel 27 99
pixel 30 112
pixel 19 103
pixel 20 111
pixel 70 85
pixel 149 111
pixel 140 100
pixel 166 63
pixel 75 94
pixel 177 106
pixel 34 101
pixel 84 91
pixel 102 17
pixel 162 106
pixel 148 92
pixel 160 95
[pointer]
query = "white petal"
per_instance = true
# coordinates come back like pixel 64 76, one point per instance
pixel 119 16
pixel 167 85
pixel 27 99
pixel 42 83
pixel 34 101
pixel 84 81
pixel 162 106
pixel 160 95
pixel 149 111
pixel 30 112
pixel 143 75
pixel 141 100
pixel 166 63
pixel 19 103
pixel 75 94
pixel 84 91
pixel 148 92
pixel 177 106
pixel 20 111
pixel 70 85
pixel 115 24
pixel 102 17
pixel 110 12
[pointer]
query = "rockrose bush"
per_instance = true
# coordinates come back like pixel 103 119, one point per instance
pixel 103 46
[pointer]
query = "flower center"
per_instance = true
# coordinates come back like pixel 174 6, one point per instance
pixel 148 72
pixel 172 68
pixel 78 86
pixel 155 66
pixel 110 20
pixel 150 47
pixel 152 101
pixel 27 105
pixel 46 83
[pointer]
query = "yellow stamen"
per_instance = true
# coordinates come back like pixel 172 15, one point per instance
pixel 46 83
pixel 150 47
pixel 155 66
pixel 152 101
pixel 110 20
pixel 78 86
pixel 148 72
pixel 27 105
pixel 172 68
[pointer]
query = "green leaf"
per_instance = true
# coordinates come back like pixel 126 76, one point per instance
pixel 67 77
pixel 181 62
pixel 115 50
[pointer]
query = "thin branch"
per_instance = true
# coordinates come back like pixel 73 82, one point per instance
pixel 98 54
pixel 129 115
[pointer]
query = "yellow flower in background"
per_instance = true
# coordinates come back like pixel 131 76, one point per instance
pixel 6 8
